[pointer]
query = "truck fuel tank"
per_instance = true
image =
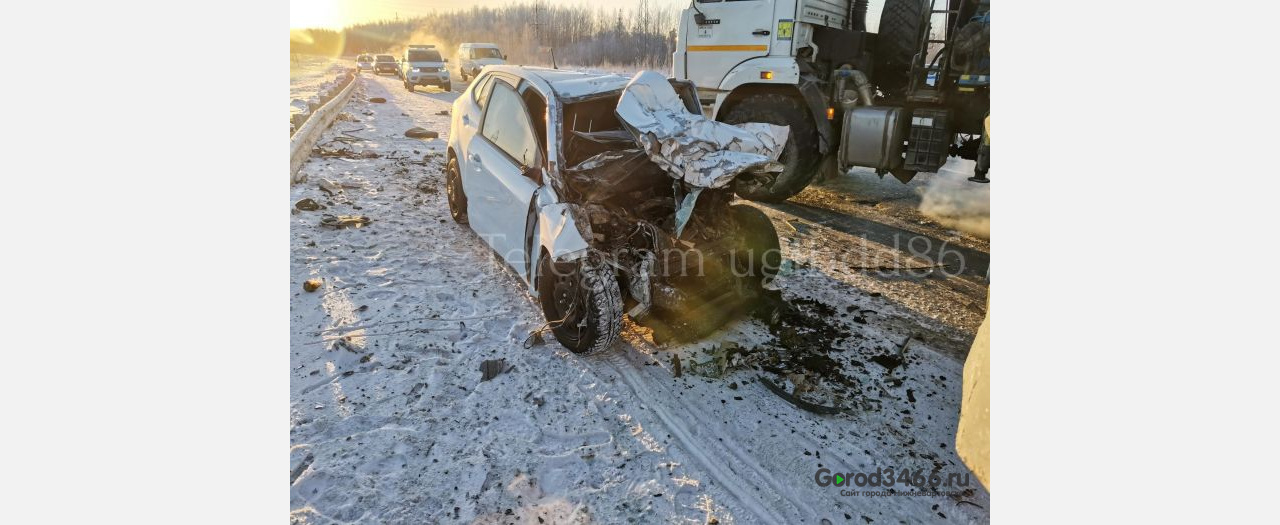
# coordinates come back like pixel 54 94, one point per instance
pixel 873 137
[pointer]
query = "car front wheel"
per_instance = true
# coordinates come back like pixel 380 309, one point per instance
pixel 582 303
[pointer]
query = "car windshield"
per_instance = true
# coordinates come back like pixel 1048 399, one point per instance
pixel 386 58
pixel 486 52
pixel 424 55
pixel 364 58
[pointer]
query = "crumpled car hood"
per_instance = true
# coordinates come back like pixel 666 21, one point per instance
pixel 692 147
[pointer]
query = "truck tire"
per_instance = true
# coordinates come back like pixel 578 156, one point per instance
pixel 800 154
pixel 584 296
pixel 896 44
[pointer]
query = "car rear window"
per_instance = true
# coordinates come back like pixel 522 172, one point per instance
pixel 386 58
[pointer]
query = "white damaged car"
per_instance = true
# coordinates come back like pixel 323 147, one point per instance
pixel 612 196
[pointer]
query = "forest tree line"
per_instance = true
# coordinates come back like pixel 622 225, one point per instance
pixel 643 35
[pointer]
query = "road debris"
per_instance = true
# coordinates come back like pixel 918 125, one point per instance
pixel 311 285
pixel 420 133
pixel 805 405
pixel 491 368
pixel 344 221
pixel 377 100
pixel 308 204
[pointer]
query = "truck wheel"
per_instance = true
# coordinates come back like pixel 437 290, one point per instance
pixel 896 44
pixel 799 156
pixel 759 255
pixel 453 186
pixel 583 302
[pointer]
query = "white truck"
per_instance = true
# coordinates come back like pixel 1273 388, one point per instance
pixel 899 99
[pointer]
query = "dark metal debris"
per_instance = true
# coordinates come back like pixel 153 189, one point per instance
pixel 491 368
pixel 802 404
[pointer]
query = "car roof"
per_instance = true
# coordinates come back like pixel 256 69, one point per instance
pixel 567 83
pixel 478 44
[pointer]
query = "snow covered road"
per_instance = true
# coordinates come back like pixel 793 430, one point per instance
pixel 391 423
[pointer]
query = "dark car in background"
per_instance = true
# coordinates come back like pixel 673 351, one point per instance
pixel 385 64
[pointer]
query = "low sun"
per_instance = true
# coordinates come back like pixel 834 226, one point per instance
pixel 316 13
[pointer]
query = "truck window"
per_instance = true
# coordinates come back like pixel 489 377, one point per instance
pixel 506 124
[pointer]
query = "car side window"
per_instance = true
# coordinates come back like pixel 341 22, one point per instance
pixel 506 123
pixel 482 91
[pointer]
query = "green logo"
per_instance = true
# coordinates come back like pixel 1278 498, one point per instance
pixel 839 479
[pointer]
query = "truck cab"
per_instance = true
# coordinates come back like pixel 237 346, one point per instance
pixel 856 90
pixel 422 65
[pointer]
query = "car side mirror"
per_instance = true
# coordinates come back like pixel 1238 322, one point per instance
pixel 700 19
pixel 504 57
pixel 446 61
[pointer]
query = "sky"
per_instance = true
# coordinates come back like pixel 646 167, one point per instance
pixel 336 14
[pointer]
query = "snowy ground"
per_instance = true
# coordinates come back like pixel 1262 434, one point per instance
pixel 309 72
pixel 390 422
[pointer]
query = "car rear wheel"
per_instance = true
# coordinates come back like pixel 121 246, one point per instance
pixel 582 303
pixel 453 186
pixel 448 86
pixel 408 86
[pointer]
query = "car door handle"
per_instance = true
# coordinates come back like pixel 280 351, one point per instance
pixel 474 157
pixel 466 120
pixel 760 32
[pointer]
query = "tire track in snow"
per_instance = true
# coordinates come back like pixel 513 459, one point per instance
pixel 731 469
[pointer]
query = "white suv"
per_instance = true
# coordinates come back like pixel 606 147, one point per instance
pixel 423 66
pixel 473 56
pixel 544 169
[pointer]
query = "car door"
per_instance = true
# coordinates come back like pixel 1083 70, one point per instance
pixel 501 155
pixel 732 33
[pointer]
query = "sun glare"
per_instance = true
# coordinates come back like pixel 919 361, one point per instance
pixel 316 14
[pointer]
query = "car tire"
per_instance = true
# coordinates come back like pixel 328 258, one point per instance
pixel 759 254
pixel 463 75
pixel 453 188
pixel 582 301
pixel 408 86
pixel 448 86
pixel 799 155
